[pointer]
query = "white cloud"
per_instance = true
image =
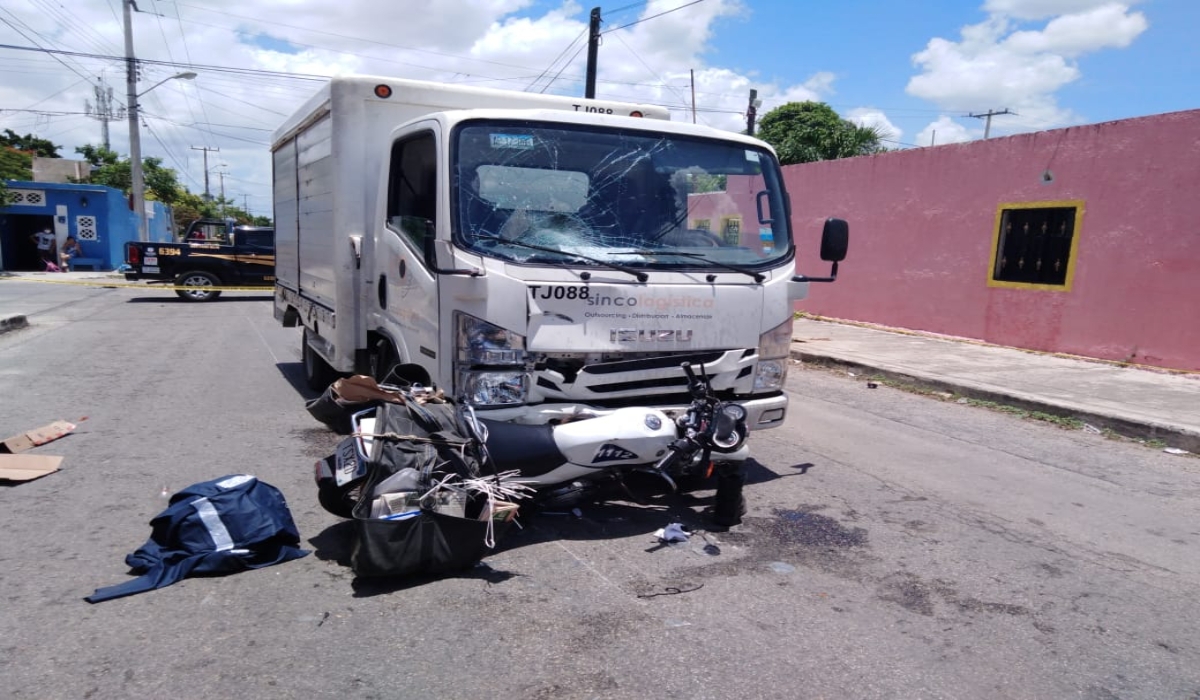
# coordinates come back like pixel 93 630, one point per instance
pixel 869 116
pixel 498 43
pixel 944 130
pixel 999 64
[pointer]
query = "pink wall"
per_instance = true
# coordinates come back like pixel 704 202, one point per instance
pixel 921 231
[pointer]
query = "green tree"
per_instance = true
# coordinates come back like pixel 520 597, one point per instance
pixel 14 165
pixel 111 170
pixel 804 132
pixel 30 144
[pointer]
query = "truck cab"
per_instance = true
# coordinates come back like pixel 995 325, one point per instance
pixel 533 257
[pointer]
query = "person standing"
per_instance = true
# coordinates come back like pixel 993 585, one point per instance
pixel 45 244
pixel 71 249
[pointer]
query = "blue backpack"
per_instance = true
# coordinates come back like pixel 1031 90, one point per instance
pixel 229 524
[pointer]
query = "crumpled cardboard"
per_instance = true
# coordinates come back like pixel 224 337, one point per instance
pixel 27 467
pixel 37 436
pixel 22 467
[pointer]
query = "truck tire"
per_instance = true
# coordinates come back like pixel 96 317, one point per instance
pixel 197 278
pixel 318 375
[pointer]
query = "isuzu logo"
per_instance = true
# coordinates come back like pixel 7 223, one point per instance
pixel 633 335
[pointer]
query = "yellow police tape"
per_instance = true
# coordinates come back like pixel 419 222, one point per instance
pixel 137 285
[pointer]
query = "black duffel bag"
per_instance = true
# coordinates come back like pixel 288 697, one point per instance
pixel 430 541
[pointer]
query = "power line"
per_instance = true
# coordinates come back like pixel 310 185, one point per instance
pixel 660 14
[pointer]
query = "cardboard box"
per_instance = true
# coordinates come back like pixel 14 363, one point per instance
pixel 27 467
pixel 37 436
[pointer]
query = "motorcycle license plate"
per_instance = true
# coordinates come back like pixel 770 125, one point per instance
pixel 349 467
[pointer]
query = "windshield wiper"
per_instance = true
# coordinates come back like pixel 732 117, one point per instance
pixel 758 276
pixel 641 276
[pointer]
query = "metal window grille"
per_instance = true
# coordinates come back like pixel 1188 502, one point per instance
pixel 1034 245
pixel 85 228
pixel 731 233
pixel 28 198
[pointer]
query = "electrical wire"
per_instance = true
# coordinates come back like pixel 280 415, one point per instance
pixel 660 14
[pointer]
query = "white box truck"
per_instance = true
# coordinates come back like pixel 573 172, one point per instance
pixel 536 255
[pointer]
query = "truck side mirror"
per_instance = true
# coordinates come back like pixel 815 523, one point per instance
pixel 835 239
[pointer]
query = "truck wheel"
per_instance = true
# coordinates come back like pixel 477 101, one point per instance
pixel 318 375
pixel 197 278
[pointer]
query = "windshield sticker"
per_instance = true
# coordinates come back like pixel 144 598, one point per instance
pixel 752 156
pixel 521 141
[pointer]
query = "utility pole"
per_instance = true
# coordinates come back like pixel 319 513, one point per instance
pixel 987 127
pixel 593 48
pixel 138 181
pixel 103 111
pixel 752 111
pixel 221 174
pixel 206 149
pixel 693 74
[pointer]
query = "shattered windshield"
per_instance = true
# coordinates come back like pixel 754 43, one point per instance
pixel 523 189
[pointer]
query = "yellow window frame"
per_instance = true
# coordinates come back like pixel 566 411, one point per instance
pixel 1072 256
pixel 725 221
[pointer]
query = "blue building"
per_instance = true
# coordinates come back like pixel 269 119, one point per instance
pixel 98 217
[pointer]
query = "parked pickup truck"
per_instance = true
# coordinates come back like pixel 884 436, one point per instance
pixel 212 254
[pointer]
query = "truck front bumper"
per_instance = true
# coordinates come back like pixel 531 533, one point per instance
pixel 762 413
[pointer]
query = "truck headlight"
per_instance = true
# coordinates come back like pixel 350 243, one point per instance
pixel 774 347
pixel 483 343
pixel 493 388
pixel 489 363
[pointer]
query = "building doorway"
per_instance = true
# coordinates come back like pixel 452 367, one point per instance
pixel 17 252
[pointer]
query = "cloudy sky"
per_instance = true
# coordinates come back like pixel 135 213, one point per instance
pixel 919 70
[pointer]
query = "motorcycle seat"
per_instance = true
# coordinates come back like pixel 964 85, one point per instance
pixel 529 449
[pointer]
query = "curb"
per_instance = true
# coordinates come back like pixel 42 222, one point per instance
pixel 12 323
pixel 1173 436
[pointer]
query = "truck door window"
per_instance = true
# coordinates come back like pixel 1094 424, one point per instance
pixel 412 186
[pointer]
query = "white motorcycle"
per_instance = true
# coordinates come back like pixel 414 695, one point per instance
pixel 579 461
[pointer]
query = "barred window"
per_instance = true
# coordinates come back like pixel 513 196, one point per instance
pixel 1035 244
pixel 731 230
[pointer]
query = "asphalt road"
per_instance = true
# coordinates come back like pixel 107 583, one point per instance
pixel 896 547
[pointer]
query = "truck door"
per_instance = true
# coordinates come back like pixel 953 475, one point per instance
pixel 406 290
pixel 255 256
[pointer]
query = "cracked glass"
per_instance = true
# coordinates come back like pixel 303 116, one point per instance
pixel 538 193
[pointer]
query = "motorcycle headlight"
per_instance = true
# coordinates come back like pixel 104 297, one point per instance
pixel 483 343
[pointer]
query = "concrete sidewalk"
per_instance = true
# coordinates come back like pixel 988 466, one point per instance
pixel 20 302
pixel 1132 401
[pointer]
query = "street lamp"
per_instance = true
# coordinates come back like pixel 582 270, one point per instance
pixel 135 140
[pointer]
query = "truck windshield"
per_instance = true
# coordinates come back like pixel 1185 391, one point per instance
pixel 639 199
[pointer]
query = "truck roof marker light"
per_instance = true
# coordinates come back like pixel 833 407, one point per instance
pixel 636 113
pixel 383 91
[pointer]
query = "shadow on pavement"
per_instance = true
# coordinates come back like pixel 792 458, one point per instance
pixel 168 296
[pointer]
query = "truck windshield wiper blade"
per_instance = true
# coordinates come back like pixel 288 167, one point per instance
pixel 641 276
pixel 758 276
